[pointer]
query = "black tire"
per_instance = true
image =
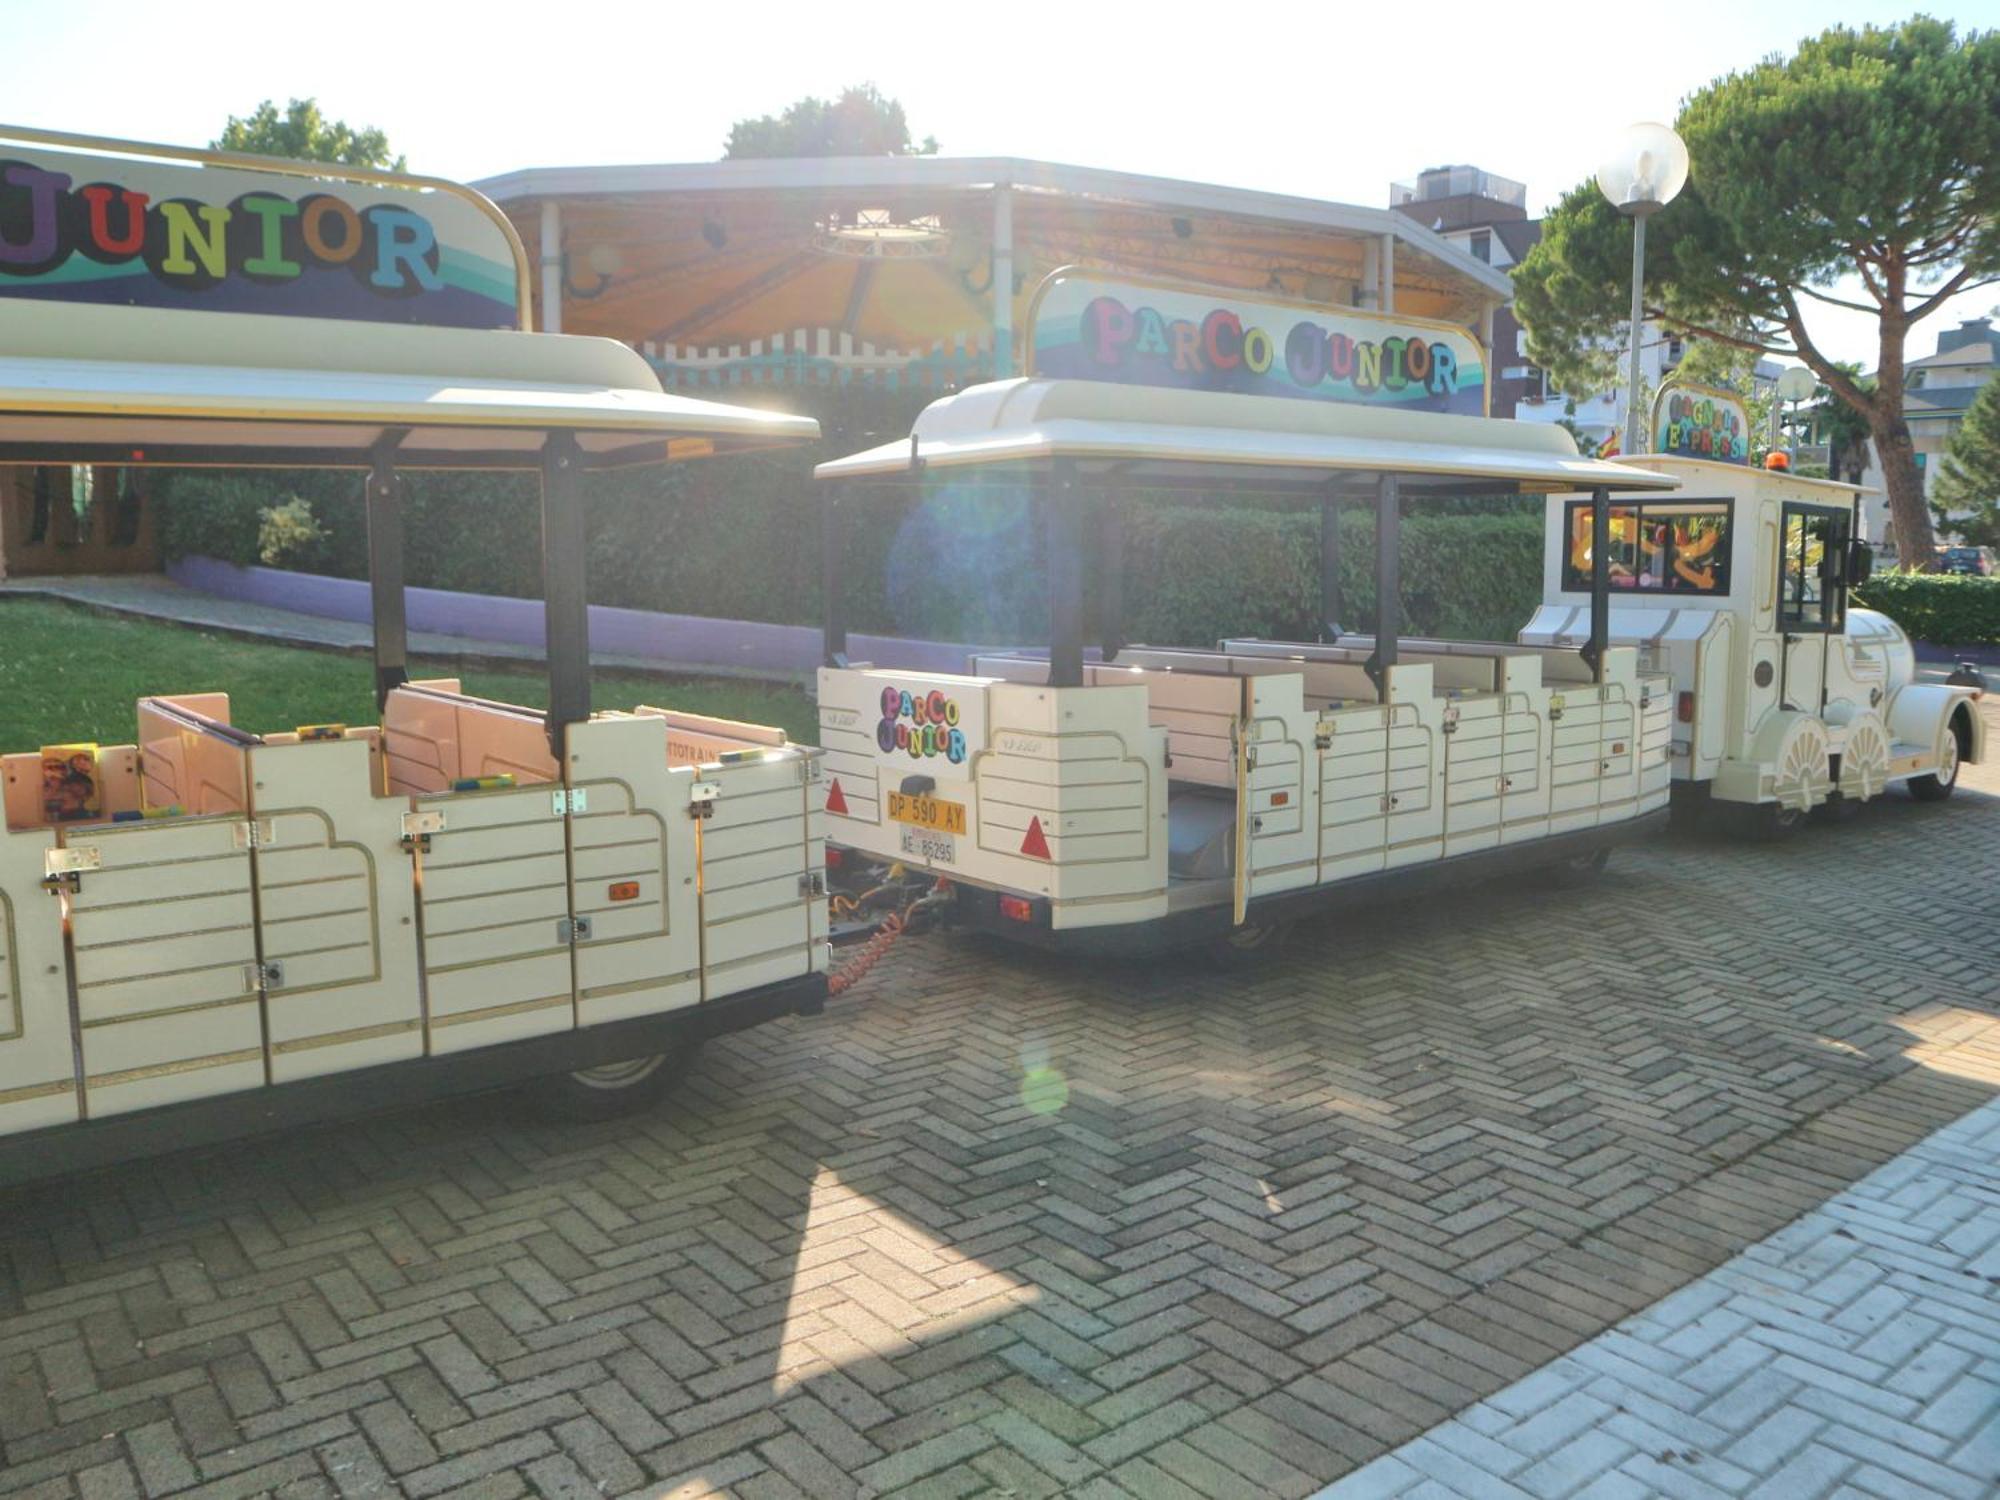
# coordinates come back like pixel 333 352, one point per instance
pixel 1244 949
pixel 1581 870
pixel 614 1089
pixel 1937 787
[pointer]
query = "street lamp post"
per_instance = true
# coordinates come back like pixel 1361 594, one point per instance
pixel 1641 177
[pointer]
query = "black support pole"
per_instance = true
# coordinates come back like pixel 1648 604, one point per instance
pixel 1329 567
pixel 385 569
pixel 566 608
pixel 1111 574
pixel 833 627
pixel 1388 547
pixel 1062 509
pixel 1600 582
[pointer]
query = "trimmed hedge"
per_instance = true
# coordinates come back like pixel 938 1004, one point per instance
pixel 1942 609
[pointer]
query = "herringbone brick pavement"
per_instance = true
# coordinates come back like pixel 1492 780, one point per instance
pixel 1856 1352
pixel 995 1226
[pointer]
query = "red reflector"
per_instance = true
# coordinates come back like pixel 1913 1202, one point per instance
pixel 625 890
pixel 835 859
pixel 1017 908
pixel 1279 799
pixel 1684 708
pixel 1036 844
pixel 836 799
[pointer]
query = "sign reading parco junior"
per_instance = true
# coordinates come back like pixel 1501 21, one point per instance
pixel 145 233
pixel 1087 328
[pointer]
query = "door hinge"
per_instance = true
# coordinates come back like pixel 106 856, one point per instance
pixel 1556 706
pixel 418 828
pixel 809 771
pixel 64 869
pixel 573 930
pixel 812 885
pixel 269 975
pixel 1451 718
pixel 702 797
pixel 572 803
pixel 256 833
pixel 1323 737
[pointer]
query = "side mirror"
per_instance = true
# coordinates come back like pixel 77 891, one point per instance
pixel 1860 562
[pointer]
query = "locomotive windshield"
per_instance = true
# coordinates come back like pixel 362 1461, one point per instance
pixel 1667 547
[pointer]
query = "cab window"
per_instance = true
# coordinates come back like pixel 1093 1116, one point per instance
pixel 1678 547
pixel 1802 565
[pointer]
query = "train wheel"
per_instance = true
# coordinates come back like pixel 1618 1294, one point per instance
pixel 1939 785
pixel 1769 822
pixel 613 1089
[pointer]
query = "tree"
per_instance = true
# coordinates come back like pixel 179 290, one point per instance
pixel 1873 153
pixel 304 134
pixel 1969 478
pixel 1844 428
pixel 861 122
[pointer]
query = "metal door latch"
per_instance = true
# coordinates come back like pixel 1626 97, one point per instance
pixel 257 833
pixel 265 976
pixel 573 930
pixel 64 869
pixel 418 828
pixel 702 798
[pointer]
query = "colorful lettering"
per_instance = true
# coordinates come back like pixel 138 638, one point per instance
pixel 178 215
pixel 39 249
pixel 270 213
pixel 103 245
pixel 1107 329
pixel 1222 339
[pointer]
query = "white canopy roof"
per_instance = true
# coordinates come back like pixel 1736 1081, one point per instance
pixel 1151 432
pixel 82 383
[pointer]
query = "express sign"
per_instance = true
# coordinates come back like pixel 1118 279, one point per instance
pixel 1698 421
pixel 1088 329
pixel 143 233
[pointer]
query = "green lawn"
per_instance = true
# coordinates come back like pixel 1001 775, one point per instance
pixel 70 674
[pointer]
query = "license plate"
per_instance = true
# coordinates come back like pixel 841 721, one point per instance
pixel 933 813
pixel 932 848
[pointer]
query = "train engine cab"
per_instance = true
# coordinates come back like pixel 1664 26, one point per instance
pixel 1738 586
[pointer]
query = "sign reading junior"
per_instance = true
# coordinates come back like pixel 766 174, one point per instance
pixel 147 233
pixel 1085 328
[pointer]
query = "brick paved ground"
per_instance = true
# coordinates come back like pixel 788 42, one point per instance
pixel 1021 1229
pixel 1855 1353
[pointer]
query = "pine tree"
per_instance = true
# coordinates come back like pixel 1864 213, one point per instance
pixel 1968 480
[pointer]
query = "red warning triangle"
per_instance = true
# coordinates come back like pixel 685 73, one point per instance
pixel 1036 844
pixel 836 799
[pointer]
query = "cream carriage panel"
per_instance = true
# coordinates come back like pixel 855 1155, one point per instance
pixel 37 1054
pixel 168 994
pixel 633 871
pixel 336 911
pixel 494 899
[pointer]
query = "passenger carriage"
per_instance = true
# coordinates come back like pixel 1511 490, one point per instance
pixel 1118 796
pixel 232 926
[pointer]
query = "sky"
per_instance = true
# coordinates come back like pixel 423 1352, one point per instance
pixel 1326 98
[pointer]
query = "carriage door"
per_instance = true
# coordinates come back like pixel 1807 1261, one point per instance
pixel 1812 543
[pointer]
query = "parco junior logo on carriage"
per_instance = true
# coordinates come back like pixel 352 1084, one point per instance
pixel 1085 328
